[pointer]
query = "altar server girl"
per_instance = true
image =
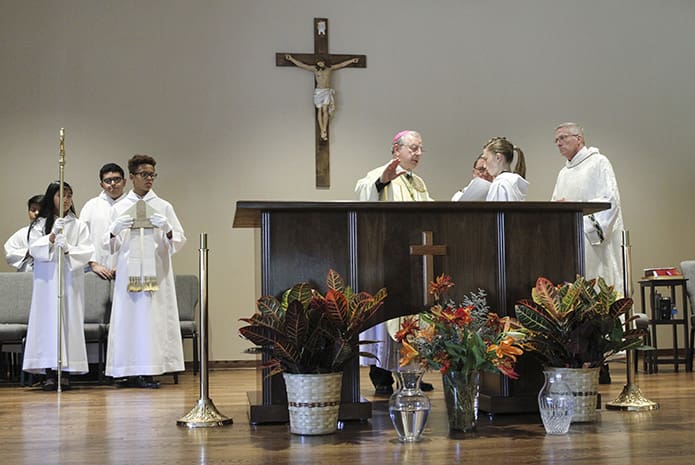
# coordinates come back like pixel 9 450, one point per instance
pixel 50 236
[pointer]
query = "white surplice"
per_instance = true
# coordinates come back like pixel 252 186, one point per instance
pixel 589 177
pixel 16 248
pixel 507 187
pixel 144 332
pixel 401 189
pixel 96 213
pixel 41 349
pixel 475 191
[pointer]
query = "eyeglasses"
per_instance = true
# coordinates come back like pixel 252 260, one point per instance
pixel 481 169
pixel 145 175
pixel 415 148
pixel 564 137
pixel 114 180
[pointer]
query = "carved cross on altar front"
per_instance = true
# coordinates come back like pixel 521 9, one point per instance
pixel 428 251
pixel 321 63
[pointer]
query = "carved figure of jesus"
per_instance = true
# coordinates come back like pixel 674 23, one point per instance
pixel 323 94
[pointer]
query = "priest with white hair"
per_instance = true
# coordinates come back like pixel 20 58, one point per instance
pixel 393 182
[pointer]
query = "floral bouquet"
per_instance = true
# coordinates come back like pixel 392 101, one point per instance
pixel 464 337
pixel 461 340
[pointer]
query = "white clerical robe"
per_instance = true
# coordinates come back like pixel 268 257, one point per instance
pixel 475 191
pixel 507 187
pixel 144 332
pixel 589 177
pixel 16 248
pixel 405 188
pixel 42 334
pixel 401 189
pixel 96 213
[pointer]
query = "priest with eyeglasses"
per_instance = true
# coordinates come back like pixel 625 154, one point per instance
pixel 393 182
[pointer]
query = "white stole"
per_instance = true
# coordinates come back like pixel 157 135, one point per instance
pixel 142 268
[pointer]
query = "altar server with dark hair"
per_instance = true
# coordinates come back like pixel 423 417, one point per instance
pixel 144 333
pixel 50 236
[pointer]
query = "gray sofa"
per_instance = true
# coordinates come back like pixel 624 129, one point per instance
pixel 15 301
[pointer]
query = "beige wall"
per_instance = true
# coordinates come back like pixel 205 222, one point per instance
pixel 195 85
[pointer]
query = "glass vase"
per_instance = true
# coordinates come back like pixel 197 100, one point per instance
pixel 409 407
pixel 556 403
pixel 461 392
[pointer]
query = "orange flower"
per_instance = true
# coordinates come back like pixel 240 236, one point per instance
pixel 459 317
pixel 436 310
pixel 408 353
pixel 463 316
pixel 428 333
pixel 506 348
pixel 440 285
pixel 408 327
pixel 506 368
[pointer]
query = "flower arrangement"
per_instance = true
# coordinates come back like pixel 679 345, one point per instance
pixel 465 338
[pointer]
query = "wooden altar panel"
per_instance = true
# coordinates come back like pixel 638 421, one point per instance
pixel 496 246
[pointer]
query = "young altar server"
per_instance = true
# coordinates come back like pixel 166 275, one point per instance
pixel 507 186
pixel 51 235
pixel 17 246
pixel 144 333
pixel 97 214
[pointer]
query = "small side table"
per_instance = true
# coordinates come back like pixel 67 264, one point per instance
pixel 671 282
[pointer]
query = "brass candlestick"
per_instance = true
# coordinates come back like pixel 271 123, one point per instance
pixel 204 414
pixel 631 398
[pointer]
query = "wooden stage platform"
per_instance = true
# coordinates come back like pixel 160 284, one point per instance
pixel 106 425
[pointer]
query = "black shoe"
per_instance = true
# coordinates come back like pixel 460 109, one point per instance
pixel 604 376
pixel 144 382
pixel 426 387
pixel 50 385
pixel 379 376
pixel 383 390
pixel 65 382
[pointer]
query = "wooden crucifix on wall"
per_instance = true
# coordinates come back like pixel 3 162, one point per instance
pixel 321 64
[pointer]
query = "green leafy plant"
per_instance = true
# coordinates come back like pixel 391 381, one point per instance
pixel 306 332
pixel 576 325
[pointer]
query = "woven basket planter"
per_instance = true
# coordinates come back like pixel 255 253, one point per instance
pixel 313 402
pixel 584 384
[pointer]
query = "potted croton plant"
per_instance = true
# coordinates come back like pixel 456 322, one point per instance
pixel 575 327
pixel 310 338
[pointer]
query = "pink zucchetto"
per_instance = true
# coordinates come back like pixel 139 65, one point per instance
pixel 399 135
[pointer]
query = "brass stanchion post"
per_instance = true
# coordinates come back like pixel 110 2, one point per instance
pixel 61 209
pixel 204 414
pixel 631 398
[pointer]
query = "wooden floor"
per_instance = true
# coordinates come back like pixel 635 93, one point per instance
pixel 107 425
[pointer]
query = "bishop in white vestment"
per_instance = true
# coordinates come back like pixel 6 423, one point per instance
pixel 393 182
